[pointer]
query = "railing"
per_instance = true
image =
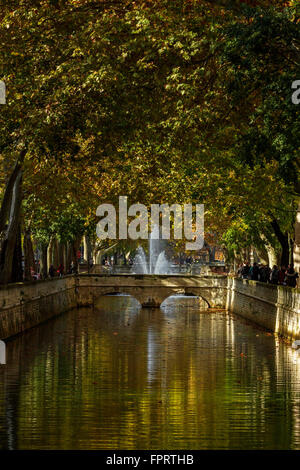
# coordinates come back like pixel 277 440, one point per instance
pixel 187 269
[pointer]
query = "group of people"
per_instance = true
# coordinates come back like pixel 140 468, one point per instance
pixel 263 273
pixel 60 271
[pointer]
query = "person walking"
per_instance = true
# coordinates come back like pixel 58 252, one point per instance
pixel 51 271
pixel 274 275
pixel 291 277
pixel 282 276
pixel 72 268
pixel 261 273
pixel 268 273
pixel 33 274
pixel 245 271
pixel 239 271
pixel 254 272
pixel 60 270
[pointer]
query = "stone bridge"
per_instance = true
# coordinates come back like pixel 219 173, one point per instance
pixel 152 290
pixel 25 305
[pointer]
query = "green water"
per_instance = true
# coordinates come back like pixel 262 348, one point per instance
pixel 120 377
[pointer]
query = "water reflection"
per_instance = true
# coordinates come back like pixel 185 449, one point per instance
pixel 178 377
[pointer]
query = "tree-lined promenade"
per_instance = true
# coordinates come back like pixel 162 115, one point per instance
pixel 181 101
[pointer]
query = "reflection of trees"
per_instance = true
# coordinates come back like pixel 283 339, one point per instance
pixel 120 377
pixel 287 385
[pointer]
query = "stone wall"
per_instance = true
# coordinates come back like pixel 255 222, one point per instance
pixel 23 306
pixel 276 308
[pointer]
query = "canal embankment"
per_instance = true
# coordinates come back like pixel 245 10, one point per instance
pixel 276 308
pixel 25 305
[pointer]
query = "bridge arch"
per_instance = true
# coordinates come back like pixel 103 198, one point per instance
pixel 188 294
pixel 102 292
pixel 151 291
pixel 152 298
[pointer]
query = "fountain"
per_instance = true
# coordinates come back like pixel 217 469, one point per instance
pixel 157 262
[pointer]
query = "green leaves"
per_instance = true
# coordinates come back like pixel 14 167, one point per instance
pixel 176 101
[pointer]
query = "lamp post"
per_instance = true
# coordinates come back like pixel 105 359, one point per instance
pixel 2 92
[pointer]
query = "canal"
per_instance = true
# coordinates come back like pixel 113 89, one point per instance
pixel 121 377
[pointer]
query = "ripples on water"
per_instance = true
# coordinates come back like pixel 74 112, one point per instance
pixel 121 377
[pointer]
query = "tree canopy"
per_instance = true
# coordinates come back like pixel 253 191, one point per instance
pixel 163 101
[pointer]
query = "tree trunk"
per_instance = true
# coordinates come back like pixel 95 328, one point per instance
pixel 10 235
pixel 271 252
pixel 246 254
pixel 17 271
pixel 263 255
pixel 87 251
pixel 86 248
pixel 28 255
pixel 8 194
pixel 74 249
pixel 61 254
pixel 64 257
pixel 55 254
pixel 43 262
pixel 284 242
pixel 297 241
pixel 272 255
pixel 94 252
pixel 69 254
pixel 50 252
